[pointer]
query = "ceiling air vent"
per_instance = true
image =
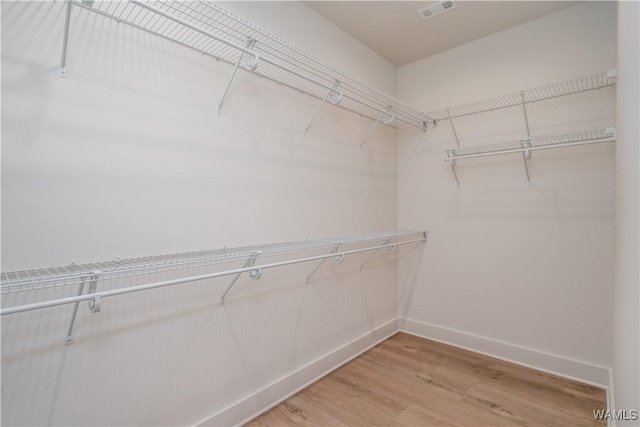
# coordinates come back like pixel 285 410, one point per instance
pixel 436 9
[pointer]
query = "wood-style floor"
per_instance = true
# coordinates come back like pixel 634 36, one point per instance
pixel 410 381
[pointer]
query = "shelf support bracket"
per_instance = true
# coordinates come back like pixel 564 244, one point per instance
pixel 450 154
pixel 333 96
pixel 93 280
pixel 337 259
pixel 526 117
pixel 94 304
pixel 385 118
pixel 65 40
pixel 389 249
pixel 453 127
pixel 74 312
pixel 254 274
pixel 526 155
pixel 249 62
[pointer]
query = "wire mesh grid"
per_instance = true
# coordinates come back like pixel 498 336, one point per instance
pixel 587 137
pixel 117 274
pixel 554 90
pixel 278 60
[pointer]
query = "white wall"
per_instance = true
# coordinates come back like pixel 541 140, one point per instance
pixel 524 266
pixel 627 215
pixel 127 157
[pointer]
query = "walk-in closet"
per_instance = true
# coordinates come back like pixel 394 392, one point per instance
pixel 335 213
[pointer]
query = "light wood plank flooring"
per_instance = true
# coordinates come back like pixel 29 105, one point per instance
pixel 410 381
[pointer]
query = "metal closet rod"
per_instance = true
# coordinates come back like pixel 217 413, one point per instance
pixel 419 120
pixel 451 156
pixel 105 294
pixel 526 149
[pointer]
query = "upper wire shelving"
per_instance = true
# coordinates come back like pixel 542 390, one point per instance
pixel 216 32
pixel 49 287
pixel 541 93
pixel 523 99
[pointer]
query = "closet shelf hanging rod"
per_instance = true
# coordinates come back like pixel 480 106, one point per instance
pixel 525 149
pixel 138 288
pixel 605 135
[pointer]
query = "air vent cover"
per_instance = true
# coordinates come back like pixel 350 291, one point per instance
pixel 437 8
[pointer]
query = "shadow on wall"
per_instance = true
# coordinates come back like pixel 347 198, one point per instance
pixel 408 271
pixel 25 93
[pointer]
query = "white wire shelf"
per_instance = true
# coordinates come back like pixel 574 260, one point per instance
pixel 216 32
pixel 554 90
pixel 33 289
pixel 526 146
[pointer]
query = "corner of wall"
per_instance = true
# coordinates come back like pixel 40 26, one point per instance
pixel 261 401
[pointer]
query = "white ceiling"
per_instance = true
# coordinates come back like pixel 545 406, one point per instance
pixel 395 31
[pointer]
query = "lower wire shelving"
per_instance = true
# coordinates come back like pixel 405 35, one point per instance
pixel 97 281
pixel 527 146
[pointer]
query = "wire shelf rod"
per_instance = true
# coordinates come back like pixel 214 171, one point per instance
pixel 97 296
pixel 544 143
pixel 525 149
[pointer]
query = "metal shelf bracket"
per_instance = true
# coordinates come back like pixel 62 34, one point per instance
pixel 248 61
pixel 526 155
pixel 95 303
pixel 333 251
pixel 388 249
pixel 254 274
pixel 333 96
pixel 449 157
pixel 65 41
pixel 386 118
pixel 453 127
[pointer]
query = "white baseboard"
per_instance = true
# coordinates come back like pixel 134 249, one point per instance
pixel 546 362
pixel 280 390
